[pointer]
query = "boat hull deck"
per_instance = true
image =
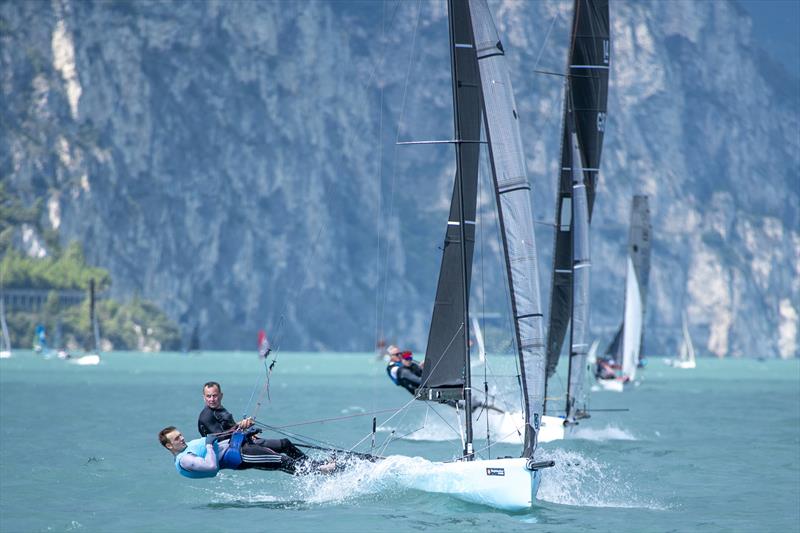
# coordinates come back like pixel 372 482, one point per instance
pixel 505 484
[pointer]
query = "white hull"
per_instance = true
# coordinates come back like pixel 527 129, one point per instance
pixel 86 360
pixel 5 354
pixel 613 385
pixel 674 363
pixel 501 483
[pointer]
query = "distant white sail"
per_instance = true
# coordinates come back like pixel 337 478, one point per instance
pixel 632 328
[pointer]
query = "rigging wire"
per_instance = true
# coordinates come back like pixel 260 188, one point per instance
pixel 385 290
pixel 544 42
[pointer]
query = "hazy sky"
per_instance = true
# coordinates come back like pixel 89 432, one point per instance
pixel 776 26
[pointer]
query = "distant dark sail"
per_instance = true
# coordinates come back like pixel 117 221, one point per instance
pixel 445 360
pixel 587 90
pixel 614 349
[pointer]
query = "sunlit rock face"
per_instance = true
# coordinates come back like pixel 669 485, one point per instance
pixel 237 163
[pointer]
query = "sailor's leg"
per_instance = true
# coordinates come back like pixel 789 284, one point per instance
pixel 264 458
pixel 284 446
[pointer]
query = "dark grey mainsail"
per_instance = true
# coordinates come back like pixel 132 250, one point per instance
pixel 446 372
pixel 626 347
pixel 587 91
pixel 515 214
pixel 581 266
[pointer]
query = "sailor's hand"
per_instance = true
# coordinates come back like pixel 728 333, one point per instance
pixel 211 439
pixel 246 423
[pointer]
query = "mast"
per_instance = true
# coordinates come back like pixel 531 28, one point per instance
pixel 586 95
pixel 461 37
pixel 515 216
pixel 446 375
pixel 93 317
pixel 581 265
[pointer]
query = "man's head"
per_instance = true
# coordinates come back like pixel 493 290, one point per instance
pixel 172 439
pixel 394 353
pixel 212 394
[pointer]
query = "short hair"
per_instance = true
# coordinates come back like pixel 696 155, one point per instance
pixel 162 435
pixel 210 384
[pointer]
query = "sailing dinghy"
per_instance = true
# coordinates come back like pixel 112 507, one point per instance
pixel 583 126
pixel 482 93
pixel 686 357
pixel 93 357
pixel 623 355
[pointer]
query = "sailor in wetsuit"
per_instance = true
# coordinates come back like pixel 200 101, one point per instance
pixel 280 453
pixel 403 370
pixel 203 458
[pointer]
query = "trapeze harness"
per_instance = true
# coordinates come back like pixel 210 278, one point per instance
pixel 409 383
pixel 231 459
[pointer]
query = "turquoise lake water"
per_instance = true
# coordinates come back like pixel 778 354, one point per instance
pixel 711 449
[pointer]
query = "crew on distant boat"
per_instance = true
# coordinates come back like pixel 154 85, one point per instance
pixel 215 419
pixel 204 457
pixel 403 370
pixel 606 368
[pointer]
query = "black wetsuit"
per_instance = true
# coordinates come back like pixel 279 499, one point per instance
pixel 214 420
pixel 266 454
pixel 408 377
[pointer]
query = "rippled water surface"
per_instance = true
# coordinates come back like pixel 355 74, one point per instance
pixel 711 449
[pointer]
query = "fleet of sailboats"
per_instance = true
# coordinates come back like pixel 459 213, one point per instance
pixel 485 115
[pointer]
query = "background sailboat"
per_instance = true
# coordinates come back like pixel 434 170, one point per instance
pixel 686 355
pixel 583 127
pixel 624 352
pixel 93 356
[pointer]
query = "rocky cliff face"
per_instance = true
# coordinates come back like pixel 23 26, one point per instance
pixel 236 162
